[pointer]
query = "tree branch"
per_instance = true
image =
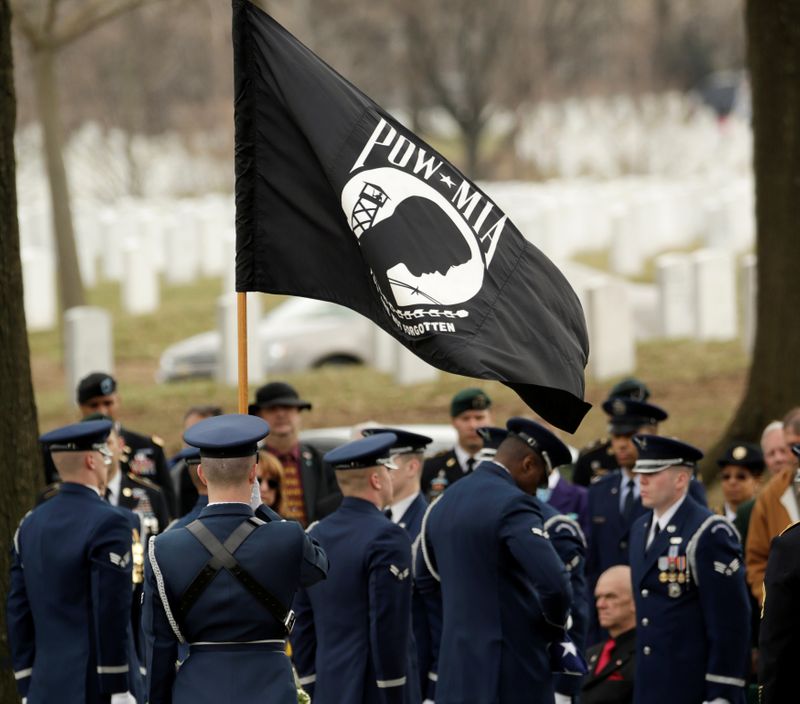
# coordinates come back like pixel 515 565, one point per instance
pixel 91 15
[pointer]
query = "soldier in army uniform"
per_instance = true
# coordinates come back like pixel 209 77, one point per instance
pixel 141 455
pixel 469 410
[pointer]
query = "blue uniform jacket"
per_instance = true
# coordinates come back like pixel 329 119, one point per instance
pixel 505 592
pixel 352 639
pixel 572 500
pixel 693 624
pixel 422 626
pixel 236 647
pixel 609 536
pixel 199 505
pixel 69 601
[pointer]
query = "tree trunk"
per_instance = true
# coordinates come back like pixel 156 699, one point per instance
pixel 70 285
pixel 773 36
pixel 471 136
pixel 20 470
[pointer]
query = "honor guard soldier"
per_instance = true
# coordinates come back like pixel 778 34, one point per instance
pixel 190 456
pixel 692 609
pixel 598 458
pixel 223 584
pixel 779 640
pixel 352 641
pixel 505 593
pixel 614 502
pixel 470 409
pixel 569 542
pixel 406 510
pixel 69 598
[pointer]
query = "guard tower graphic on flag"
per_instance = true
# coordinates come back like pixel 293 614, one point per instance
pixel 370 200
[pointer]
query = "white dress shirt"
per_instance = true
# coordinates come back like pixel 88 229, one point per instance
pixel 462 456
pixel 399 509
pixel 663 520
pixel 113 489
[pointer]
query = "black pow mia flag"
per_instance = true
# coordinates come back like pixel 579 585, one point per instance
pixel 336 200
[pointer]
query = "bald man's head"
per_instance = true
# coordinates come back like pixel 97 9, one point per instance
pixel 614 598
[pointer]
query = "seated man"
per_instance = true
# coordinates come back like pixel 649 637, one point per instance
pixel 612 661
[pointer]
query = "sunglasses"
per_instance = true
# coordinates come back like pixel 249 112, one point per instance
pixel 739 477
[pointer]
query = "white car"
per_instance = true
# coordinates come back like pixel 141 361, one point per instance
pixel 297 335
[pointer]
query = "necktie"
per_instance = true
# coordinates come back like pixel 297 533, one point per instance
pixel 388 513
pixel 470 464
pixel 605 656
pixel 656 531
pixel 107 496
pixel 627 504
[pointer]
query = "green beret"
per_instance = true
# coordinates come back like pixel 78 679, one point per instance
pixel 469 400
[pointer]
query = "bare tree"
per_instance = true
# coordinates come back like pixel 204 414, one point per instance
pixel 773 53
pixel 48 26
pixel 18 429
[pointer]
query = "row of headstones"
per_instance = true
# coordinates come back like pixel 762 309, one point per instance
pixel 89 347
pixel 697 299
pixel 634 219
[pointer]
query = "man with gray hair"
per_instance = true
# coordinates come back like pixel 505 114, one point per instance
pixel 224 583
pixel 777 505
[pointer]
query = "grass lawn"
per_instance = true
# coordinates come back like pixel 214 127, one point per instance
pixel 699 384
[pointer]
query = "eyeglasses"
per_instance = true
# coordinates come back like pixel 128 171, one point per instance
pixel 739 477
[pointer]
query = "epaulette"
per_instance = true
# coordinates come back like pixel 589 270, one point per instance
pixel 156 440
pixel 790 526
pixel 144 482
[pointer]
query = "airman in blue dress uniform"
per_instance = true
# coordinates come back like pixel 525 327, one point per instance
pixel 505 592
pixel 352 639
pixel 614 501
pixel 69 599
pixel 223 583
pixel 407 509
pixel 692 607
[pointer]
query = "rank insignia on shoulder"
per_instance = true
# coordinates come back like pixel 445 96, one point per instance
pixel 728 569
pixel 397 572
pixel 120 561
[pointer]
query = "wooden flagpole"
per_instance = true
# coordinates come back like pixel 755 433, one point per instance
pixel 241 311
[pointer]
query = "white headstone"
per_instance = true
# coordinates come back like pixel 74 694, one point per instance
pixel 410 369
pixel 114 226
pixel 139 286
pixel 39 287
pixel 227 371
pixel 384 350
pixel 675 279
pixel 88 345
pixel 749 283
pixel 625 256
pixel 609 317
pixel 715 295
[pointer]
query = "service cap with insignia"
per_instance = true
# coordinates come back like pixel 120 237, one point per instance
pixel 77 437
pixel 362 453
pixel 743 454
pixel 631 388
pixel 657 453
pixel 554 452
pixel 231 435
pixel 406 440
pixel 469 400
pixel 626 416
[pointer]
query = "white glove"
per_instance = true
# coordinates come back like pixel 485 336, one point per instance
pixel 123 698
pixel 255 496
pixel 563 699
